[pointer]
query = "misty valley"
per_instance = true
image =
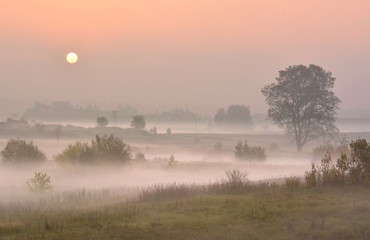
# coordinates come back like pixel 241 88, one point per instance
pixel 184 120
pixel 62 181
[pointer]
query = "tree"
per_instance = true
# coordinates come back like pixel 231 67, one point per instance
pixel 18 151
pixel 302 102
pixel 138 122
pixel 235 115
pixel 58 132
pixel 102 121
pixel 169 131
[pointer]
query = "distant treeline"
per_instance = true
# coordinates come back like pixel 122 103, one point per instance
pixel 62 111
pixel 65 111
pixel 234 116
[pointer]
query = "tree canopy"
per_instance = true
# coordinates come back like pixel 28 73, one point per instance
pixel 234 115
pixel 302 102
pixel 138 122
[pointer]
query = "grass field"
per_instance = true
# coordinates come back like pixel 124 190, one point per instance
pixel 264 211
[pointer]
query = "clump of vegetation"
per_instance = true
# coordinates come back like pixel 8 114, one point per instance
pixel 102 121
pixel 153 131
pixel 236 179
pixel 18 151
pixel 106 149
pixel 352 169
pixel 244 151
pixel 172 162
pixel 169 131
pixel 138 122
pixel 39 183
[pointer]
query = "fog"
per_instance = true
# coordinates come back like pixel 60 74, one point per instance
pixel 198 165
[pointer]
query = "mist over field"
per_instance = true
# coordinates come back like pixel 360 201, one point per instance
pixel 185 119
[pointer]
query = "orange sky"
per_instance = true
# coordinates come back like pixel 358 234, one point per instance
pixel 234 46
pixel 189 23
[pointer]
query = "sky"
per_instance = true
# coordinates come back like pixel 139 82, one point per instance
pixel 199 54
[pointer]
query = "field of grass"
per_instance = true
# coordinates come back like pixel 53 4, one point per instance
pixel 263 211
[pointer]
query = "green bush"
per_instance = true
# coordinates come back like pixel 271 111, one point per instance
pixel 18 151
pixel 106 149
pixel 244 151
pixel 353 169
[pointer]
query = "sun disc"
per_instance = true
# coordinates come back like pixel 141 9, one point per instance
pixel 72 58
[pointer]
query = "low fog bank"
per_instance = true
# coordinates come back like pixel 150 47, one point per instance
pixel 190 169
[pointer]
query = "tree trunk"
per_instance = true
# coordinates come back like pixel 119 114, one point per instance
pixel 299 147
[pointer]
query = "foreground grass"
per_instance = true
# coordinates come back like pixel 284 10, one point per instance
pixel 266 212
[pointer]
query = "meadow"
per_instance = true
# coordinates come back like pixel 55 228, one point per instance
pixel 193 199
pixel 214 211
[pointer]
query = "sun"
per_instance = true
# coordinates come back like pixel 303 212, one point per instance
pixel 72 58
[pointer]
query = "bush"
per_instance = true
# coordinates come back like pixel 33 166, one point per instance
pixel 236 181
pixel 18 151
pixel 39 183
pixel 140 157
pixel 244 151
pixel 106 149
pixel 354 169
pixel 77 153
pixel 172 162
pixel 101 121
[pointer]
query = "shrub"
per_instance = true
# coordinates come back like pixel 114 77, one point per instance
pixel 18 151
pixel 236 181
pixel 172 162
pixel 138 122
pixel 346 170
pixel 153 131
pixel 311 176
pixel 101 121
pixel 78 152
pixel 39 183
pixel 106 149
pixel 244 151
